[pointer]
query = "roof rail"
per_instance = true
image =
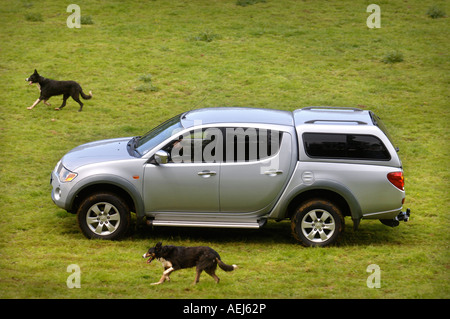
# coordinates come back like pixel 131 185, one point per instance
pixel 336 122
pixel 332 108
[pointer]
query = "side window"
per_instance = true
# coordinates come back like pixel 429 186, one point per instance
pixel 345 146
pixel 196 146
pixel 215 145
pixel 250 144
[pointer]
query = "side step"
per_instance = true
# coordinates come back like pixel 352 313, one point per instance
pixel 215 224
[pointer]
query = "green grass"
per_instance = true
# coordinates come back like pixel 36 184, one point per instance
pixel 393 57
pixel 273 54
pixel 435 12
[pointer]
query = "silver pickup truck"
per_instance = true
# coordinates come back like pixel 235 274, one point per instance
pixel 236 168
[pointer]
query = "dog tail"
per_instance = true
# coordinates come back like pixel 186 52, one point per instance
pixel 224 266
pixel 86 97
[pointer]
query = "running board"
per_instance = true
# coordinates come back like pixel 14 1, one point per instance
pixel 215 224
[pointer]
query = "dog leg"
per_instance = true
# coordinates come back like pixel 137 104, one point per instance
pixel 197 276
pixel 165 276
pixel 46 103
pixel 34 104
pixel 77 99
pixel 65 97
pixel 212 273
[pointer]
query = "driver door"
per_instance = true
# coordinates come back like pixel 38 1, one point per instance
pixel 187 185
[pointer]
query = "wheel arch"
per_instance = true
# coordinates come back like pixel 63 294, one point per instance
pixel 115 185
pixel 337 193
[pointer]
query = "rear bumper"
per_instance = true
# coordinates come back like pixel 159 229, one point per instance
pixel 390 214
pixel 402 216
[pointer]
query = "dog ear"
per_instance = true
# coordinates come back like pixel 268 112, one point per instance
pixel 158 246
pixel 35 71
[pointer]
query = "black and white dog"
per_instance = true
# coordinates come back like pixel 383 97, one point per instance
pixel 49 88
pixel 177 257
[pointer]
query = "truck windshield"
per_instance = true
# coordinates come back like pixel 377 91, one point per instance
pixel 158 135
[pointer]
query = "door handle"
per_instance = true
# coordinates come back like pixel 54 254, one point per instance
pixel 273 172
pixel 206 174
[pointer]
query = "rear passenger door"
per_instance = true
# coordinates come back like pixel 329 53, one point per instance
pixel 255 169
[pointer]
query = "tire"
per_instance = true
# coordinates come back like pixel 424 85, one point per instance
pixel 317 223
pixel 103 216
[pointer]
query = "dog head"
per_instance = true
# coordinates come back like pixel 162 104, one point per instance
pixel 33 78
pixel 152 253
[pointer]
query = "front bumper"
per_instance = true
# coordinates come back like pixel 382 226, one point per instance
pixel 58 190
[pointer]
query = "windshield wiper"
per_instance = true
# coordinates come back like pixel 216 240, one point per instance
pixel 133 144
pixel 136 141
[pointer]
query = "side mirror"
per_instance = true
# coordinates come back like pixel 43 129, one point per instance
pixel 161 157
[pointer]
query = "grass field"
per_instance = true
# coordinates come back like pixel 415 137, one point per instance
pixel 148 61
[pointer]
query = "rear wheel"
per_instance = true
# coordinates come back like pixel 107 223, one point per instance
pixel 317 223
pixel 103 216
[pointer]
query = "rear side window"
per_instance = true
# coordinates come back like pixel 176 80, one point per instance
pixel 251 144
pixel 345 146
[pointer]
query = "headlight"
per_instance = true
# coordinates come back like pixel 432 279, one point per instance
pixel 66 176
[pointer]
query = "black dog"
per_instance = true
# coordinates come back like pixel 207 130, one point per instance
pixel 175 258
pixel 49 88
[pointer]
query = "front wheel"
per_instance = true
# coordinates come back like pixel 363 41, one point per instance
pixel 103 216
pixel 317 223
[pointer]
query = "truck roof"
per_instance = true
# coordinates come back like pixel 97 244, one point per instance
pixel 237 115
pixel 307 115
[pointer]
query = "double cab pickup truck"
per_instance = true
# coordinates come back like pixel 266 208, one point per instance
pixel 237 167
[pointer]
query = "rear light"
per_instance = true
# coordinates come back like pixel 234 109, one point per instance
pixel 396 178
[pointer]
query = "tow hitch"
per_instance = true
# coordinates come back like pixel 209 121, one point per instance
pixel 403 216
